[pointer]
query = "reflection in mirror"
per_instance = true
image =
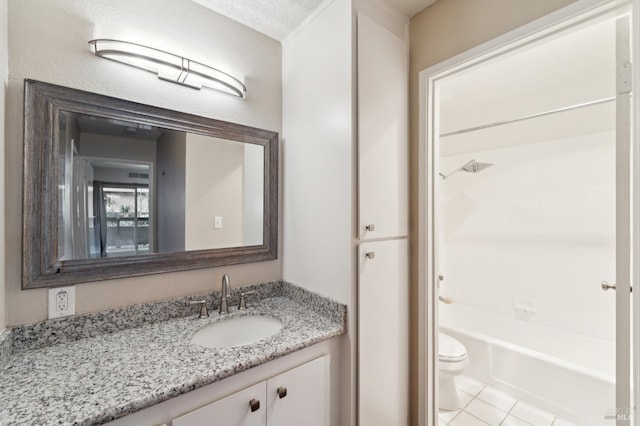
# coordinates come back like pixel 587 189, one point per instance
pixel 129 189
pixel 140 189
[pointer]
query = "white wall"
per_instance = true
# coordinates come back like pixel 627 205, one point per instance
pixel 48 42
pixel 4 73
pixel 317 145
pixel 539 223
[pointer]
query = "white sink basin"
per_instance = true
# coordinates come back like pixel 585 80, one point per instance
pixel 238 331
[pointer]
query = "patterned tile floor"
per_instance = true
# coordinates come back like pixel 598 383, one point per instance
pixel 484 405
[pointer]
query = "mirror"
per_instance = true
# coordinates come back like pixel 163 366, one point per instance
pixel 113 189
pixel 128 189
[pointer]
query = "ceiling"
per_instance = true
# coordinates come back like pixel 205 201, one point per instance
pixel 113 127
pixel 278 18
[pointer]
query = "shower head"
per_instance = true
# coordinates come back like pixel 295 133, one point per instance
pixel 474 167
pixel 471 167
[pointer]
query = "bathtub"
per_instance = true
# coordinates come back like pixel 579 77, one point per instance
pixel 568 374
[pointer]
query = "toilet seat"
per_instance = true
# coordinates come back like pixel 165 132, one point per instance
pixel 450 350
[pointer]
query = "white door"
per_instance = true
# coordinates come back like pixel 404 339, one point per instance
pixel 623 410
pixel 300 396
pixel 383 319
pixel 627 226
pixel 243 408
pixel 382 132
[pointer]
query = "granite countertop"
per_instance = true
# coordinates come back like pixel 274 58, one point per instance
pixel 97 379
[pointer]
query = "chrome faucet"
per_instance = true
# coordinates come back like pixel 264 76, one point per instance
pixel 226 294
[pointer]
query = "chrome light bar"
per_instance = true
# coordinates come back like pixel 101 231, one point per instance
pixel 168 66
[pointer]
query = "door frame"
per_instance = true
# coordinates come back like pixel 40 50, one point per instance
pixel 427 242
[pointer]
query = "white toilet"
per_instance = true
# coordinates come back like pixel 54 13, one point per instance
pixel 451 363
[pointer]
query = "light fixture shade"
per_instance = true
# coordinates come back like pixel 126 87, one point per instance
pixel 167 66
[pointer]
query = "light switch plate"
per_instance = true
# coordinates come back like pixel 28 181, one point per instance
pixel 62 302
pixel 217 222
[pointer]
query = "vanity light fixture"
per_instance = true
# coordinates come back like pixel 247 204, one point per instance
pixel 168 66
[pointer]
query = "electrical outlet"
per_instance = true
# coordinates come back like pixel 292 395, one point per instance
pixel 62 302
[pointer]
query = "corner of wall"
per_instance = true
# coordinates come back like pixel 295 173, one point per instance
pixel 4 76
pixel 385 15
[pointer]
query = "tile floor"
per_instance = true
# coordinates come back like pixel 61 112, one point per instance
pixel 484 405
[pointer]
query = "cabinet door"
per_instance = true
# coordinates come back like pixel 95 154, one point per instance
pixel 383 329
pixel 300 396
pixel 234 410
pixel 383 169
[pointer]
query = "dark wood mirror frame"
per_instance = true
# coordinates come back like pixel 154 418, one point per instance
pixel 41 266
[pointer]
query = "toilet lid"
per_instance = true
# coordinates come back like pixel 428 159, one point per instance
pixel 449 348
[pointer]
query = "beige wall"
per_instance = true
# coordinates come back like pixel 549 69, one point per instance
pixel 443 30
pixel 3 82
pixel 48 42
pixel 213 187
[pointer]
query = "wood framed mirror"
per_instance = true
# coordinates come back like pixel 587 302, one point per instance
pixel 114 188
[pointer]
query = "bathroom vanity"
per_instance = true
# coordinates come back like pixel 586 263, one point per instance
pixel 164 362
pixel 100 367
pixel 300 393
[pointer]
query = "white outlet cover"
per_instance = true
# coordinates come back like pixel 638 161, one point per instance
pixel 70 293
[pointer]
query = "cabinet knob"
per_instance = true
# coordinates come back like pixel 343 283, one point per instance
pixel 282 392
pixel 371 227
pixel 370 255
pixel 254 404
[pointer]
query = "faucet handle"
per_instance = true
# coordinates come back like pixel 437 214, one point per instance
pixel 204 312
pixel 242 303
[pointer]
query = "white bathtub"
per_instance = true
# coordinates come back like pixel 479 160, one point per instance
pixel 571 375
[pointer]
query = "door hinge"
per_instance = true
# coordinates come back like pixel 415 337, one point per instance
pixel 624 74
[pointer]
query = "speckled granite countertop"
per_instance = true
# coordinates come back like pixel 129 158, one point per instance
pixel 97 379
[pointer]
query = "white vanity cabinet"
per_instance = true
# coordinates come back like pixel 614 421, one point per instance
pixel 383 168
pixel 295 397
